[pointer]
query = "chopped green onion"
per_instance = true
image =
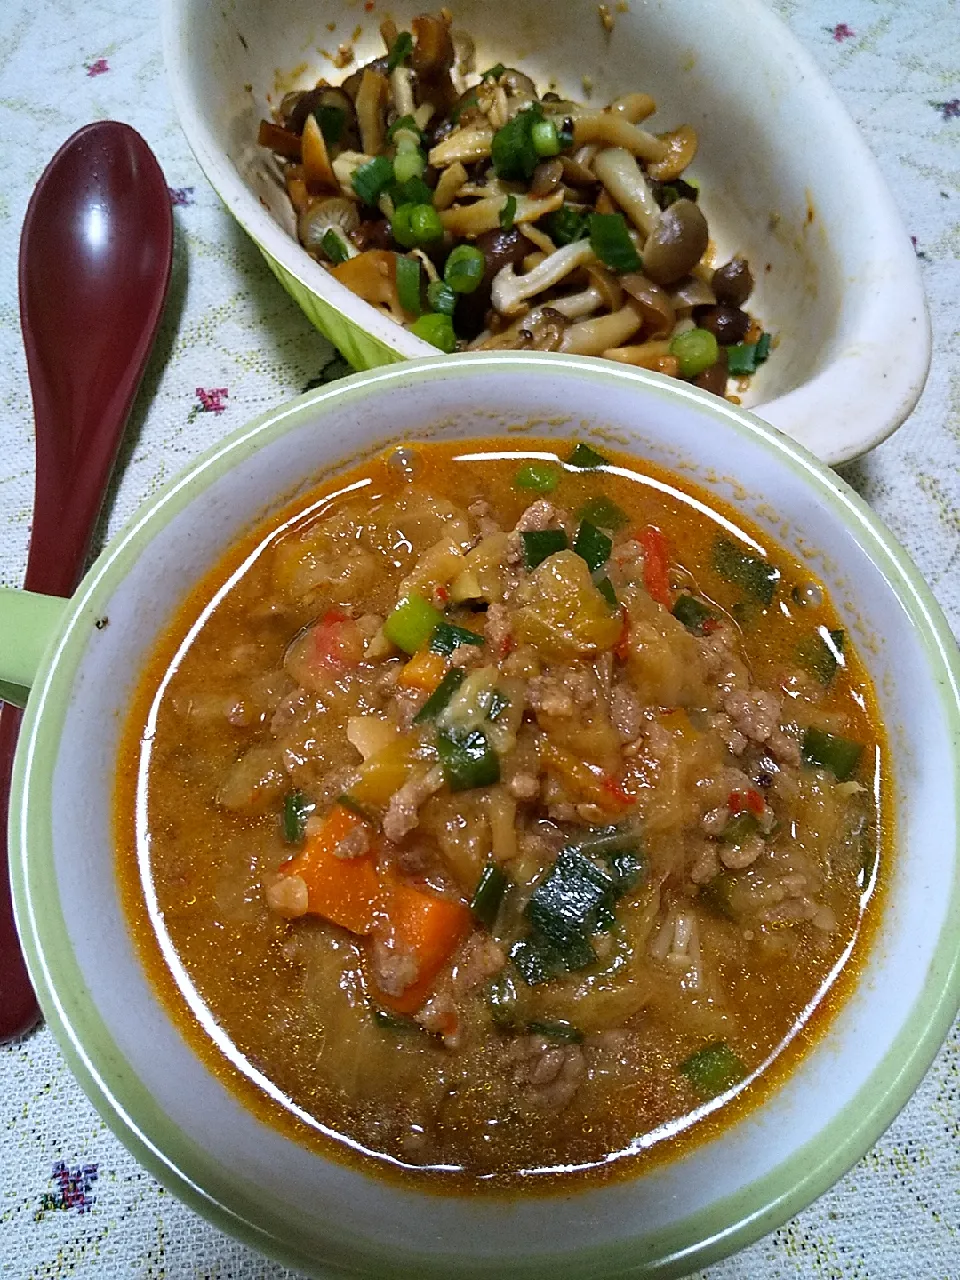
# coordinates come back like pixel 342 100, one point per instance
pixel 440 699
pixel 400 50
pixel 408 284
pixel 467 759
pixel 540 543
pixel 494 72
pixel 412 622
pixel 413 191
pixel 405 124
pixel 608 591
pixel 717 894
pixel 693 613
pixel 713 1069
pixel 840 755
pixel 441 297
pixel 413 225
pixel 486 900
pixel 565 225
pixel 696 351
pixel 296 809
pixel 545 139
pixel 592 545
pixel 447 637
pixel 370 180
pixel 512 150
pixel 586 459
pixel 464 268
pixel 437 330
pixel 537 477
pixel 565 1032
pixel 361 810
pixel 333 245
pixel 508 213
pixel 409 164
pixel 763 348
pixel 743 357
pixel 332 121
pixel 740 828
pixel 757 577
pixel 611 242
pixel 498 704
pixel 819 654
pixel 604 514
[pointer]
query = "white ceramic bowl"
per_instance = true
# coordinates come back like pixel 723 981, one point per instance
pixel 180 1120
pixel 787 179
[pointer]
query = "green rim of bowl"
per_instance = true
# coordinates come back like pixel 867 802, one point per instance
pixel 177 1161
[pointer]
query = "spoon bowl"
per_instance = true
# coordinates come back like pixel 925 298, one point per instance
pixel 95 258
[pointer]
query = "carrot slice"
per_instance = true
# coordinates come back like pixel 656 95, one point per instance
pixel 424 671
pixel 656 560
pixel 345 891
pixel 425 926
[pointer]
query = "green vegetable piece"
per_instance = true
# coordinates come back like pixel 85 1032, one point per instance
pixel 414 191
pixel 537 477
pixel 840 755
pixel 465 105
pixel 498 704
pixel 604 513
pixel 359 809
pixel 405 124
pixel 565 904
pixel 486 900
pixel 740 828
pixel 440 699
pixel 372 179
pixel 696 351
pixel 713 1069
pixel 742 359
pixel 693 613
pixel 447 637
pixel 545 139
pixel 565 225
pixel 757 577
pixel 512 150
pixel 586 459
pixel 409 163
pixel 400 50
pixel 592 545
pixel 717 894
pixel 819 654
pixel 464 268
pixel 628 867
pixel 537 961
pixel 296 809
pixel 412 623
pixel 408 284
pixel 607 590
pixel 441 297
pixel 565 1032
pixel 508 213
pixel 540 543
pixel 437 330
pixel 763 348
pixel 388 1021
pixel 467 759
pixel 603 842
pixel 494 72
pixel 611 242
pixel 413 225
pixel 332 121
pixel 333 246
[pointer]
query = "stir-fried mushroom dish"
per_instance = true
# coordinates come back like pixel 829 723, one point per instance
pixel 482 214
pixel 504 807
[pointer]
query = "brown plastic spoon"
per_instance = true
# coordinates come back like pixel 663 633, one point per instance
pixel 95 257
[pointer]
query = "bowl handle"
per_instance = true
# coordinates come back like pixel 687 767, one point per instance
pixel 28 622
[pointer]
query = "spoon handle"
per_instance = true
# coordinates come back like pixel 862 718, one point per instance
pixel 18 1004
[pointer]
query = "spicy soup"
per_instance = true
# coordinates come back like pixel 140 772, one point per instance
pixel 507 812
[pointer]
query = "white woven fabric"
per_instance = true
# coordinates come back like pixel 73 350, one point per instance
pixel 72 1201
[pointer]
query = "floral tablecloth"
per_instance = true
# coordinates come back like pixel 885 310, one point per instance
pixel 72 1201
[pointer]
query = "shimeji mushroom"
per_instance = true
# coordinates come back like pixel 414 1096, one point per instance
pixel 624 179
pixel 541 329
pixel 604 290
pixel 372 97
pixel 593 337
pixel 464 146
pixel 318 172
pixel 511 291
pixel 614 129
pixel 335 214
pixel 681 148
pixel 634 106
pixel 471 220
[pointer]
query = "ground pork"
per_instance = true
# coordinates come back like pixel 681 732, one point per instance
pixel 548 1074
pixel 721 662
pixel 626 712
pixel 395 970
pixel 403 810
pixel 497 628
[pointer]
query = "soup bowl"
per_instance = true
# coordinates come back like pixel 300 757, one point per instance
pixel 787 180
pixel 83 658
